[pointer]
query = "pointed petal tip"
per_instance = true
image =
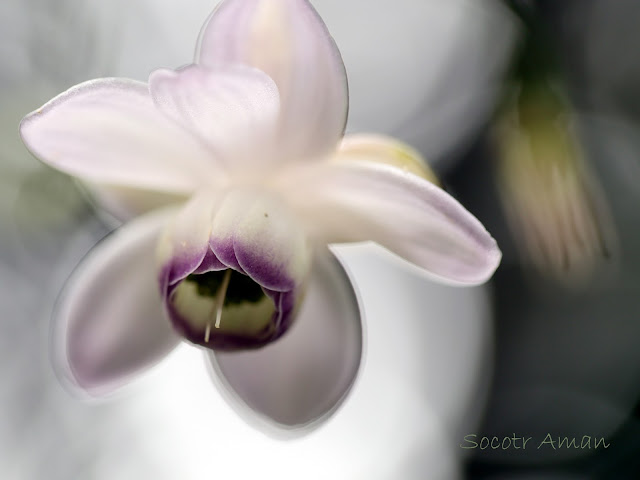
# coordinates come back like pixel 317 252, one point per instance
pixel 479 269
pixel 493 256
pixel 359 201
pixel 109 131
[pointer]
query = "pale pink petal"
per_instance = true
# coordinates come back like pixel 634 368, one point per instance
pixel 109 131
pixel 234 109
pixel 289 42
pixel 354 201
pixel 109 324
pixel 304 376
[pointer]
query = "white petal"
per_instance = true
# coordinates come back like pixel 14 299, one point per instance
pixel 354 201
pixel 287 40
pixel 235 109
pixel 109 324
pixel 185 240
pixel 109 131
pixel 304 376
pixel 257 234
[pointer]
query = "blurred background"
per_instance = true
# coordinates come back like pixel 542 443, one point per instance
pixel 529 113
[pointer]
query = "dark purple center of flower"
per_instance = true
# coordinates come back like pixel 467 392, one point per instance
pixel 241 289
pixel 228 310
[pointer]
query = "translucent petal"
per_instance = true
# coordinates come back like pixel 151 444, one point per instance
pixel 304 376
pixel 355 201
pixel 109 131
pixel 109 324
pixel 234 109
pixel 289 42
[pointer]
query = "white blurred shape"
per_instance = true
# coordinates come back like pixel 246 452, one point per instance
pixel 426 346
pixel 427 71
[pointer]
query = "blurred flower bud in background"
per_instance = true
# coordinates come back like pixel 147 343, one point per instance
pixel 563 206
pixel 554 205
pixel 553 202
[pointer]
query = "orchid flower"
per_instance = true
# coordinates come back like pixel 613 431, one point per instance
pixel 240 176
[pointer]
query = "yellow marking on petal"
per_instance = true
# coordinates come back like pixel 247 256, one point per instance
pixel 387 151
pixel 271 40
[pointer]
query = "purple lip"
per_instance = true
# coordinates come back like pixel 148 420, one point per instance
pixel 266 275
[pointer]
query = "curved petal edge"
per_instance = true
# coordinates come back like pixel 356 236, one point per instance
pixel 108 322
pixel 287 40
pixel 358 201
pixel 299 381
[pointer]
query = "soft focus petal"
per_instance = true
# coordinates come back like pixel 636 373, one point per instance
pixel 126 203
pixel 233 272
pixel 235 109
pixel 109 131
pixel 287 40
pixel 109 321
pixel 305 375
pixel 386 150
pixel 353 201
